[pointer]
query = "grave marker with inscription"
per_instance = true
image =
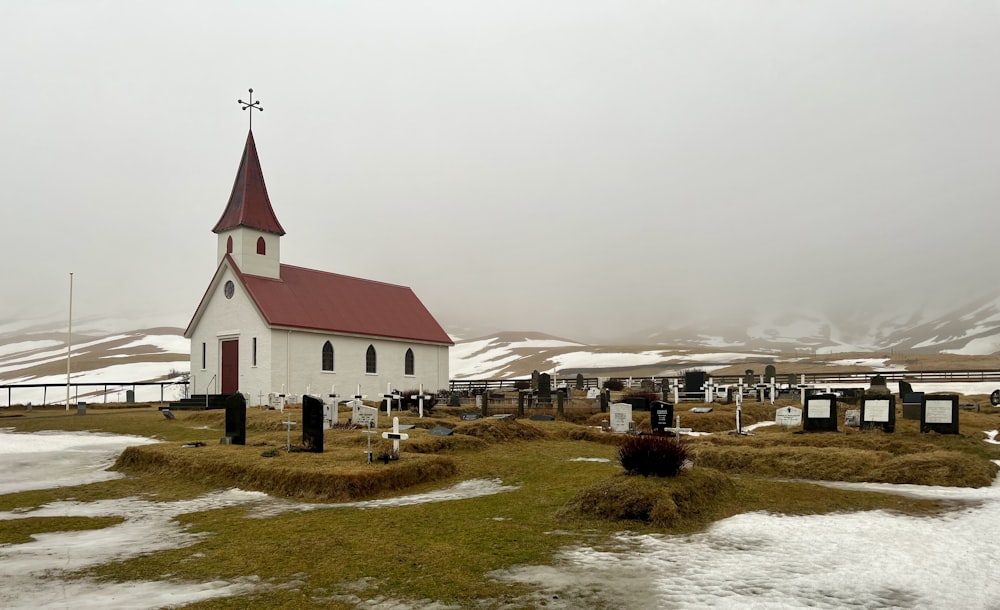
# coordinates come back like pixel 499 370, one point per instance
pixel 365 417
pixel 621 417
pixel 236 420
pixel 939 413
pixel 879 413
pixel 820 413
pixel 661 416
pixel 788 417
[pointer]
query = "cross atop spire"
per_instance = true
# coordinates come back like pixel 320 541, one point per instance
pixel 252 105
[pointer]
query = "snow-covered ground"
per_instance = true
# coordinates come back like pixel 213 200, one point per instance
pixel 760 560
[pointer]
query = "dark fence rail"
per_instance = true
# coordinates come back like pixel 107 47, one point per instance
pixel 55 393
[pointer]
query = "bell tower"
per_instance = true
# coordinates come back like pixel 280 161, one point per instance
pixel 248 230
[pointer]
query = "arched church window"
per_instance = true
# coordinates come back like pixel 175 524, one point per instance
pixel 371 360
pixel 261 246
pixel 327 356
pixel 408 362
pixel 229 245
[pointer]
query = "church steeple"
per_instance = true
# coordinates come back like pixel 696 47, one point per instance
pixel 248 230
pixel 249 205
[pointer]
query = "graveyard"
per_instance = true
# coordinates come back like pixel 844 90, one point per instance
pixel 553 467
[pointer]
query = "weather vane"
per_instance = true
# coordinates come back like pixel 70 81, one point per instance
pixel 252 105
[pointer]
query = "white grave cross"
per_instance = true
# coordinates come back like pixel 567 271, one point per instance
pixel 675 385
pixel 332 417
pixel 803 386
pixel 420 397
pixel 709 387
pixel 395 436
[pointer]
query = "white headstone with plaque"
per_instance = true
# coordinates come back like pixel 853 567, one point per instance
pixel 788 417
pixel 364 416
pixel 621 416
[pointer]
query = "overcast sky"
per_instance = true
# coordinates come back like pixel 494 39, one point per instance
pixel 577 167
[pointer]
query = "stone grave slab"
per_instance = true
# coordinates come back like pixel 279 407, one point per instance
pixel 939 413
pixel 701 410
pixel 639 403
pixel 470 416
pixel 621 417
pixel 911 405
pixel 312 424
pixel 661 416
pixel 879 414
pixel 440 431
pixel 788 417
pixel 542 418
pixel 820 413
pixel 236 420
pixel 365 417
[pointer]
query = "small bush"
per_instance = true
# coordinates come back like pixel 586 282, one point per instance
pixel 658 456
pixel 615 385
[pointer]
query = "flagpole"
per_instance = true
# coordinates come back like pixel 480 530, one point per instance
pixel 69 337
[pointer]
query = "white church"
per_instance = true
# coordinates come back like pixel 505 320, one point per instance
pixel 265 327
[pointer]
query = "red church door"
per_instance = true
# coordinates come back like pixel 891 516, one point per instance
pixel 231 366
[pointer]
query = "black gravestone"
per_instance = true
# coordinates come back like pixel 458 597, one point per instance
pixel 236 420
pixel 995 398
pixel 939 413
pixel 911 405
pixel 820 413
pixel 579 381
pixel 545 388
pixel 879 413
pixel 694 380
pixel 661 416
pixel 639 403
pixel 454 400
pixel 769 371
pixel 905 388
pixel 312 424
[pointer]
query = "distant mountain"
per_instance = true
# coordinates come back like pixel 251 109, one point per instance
pixel 34 352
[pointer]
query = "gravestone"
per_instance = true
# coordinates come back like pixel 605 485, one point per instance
pixel 879 413
pixel 852 418
pixel 579 381
pixel 639 403
pixel 748 377
pixel 621 417
pixel 905 388
pixel 275 401
pixel 878 387
pixel 168 413
pixel 542 417
pixel 81 408
pixel 647 385
pixel 911 405
pixel 595 394
pixel 535 377
pixel 694 381
pixel 769 371
pixel 545 389
pixel 395 436
pixel 605 400
pixel 788 417
pixel 661 416
pixel 995 398
pixel 470 416
pixel 700 410
pixel 454 400
pixel 362 416
pixel 236 420
pixel 820 413
pixel 312 424
pixel 440 431
pixel 939 413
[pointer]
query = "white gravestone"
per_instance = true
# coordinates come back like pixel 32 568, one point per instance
pixel 276 401
pixel 621 417
pixel 938 411
pixel 364 416
pixel 877 410
pixel 788 417
pixel 593 393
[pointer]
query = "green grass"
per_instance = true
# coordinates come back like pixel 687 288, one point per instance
pixel 444 551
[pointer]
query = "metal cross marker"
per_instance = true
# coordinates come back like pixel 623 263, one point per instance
pixel 252 105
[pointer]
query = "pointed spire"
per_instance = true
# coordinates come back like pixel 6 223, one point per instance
pixel 249 205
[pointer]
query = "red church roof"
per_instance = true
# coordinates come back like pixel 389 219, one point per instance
pixel 316 300
pixel 249 205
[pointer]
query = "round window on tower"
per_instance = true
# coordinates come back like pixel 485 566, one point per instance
pixel 230 289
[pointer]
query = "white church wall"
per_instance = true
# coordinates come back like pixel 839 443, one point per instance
pixel 298 362
pixel 233 318
pixel 245 251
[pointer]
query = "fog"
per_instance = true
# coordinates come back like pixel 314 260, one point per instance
pixel 577 167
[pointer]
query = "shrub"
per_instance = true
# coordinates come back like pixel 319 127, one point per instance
pixel 522 384
pixel 658 456
pixel 615 385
